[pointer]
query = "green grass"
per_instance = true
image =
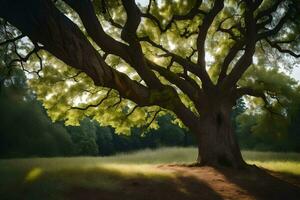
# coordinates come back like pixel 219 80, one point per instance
pixel 288 163
pixel 48 178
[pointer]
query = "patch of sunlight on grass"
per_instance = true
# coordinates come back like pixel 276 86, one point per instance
pixel 271 156
pixel 33 174
pixel 107 176
pixel 288 167
pixel 276 161
pixel 137 171
pixel 54 176
pixel 158 156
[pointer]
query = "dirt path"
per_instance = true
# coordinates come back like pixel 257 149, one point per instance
pixel 205 183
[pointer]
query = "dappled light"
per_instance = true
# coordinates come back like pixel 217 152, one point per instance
pixel 148 170
pixel 33 174
pixel 133 170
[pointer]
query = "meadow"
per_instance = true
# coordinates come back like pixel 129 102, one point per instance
pixel 56 178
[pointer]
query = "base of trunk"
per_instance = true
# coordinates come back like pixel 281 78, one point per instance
pixel 218 145
pixel 222 160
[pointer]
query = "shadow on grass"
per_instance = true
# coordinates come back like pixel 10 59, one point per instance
pixel 146 182
pixel 110 181
pixel 138 176
pixel 180 188
pixel 261 184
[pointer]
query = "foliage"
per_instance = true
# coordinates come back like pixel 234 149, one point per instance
pixel 262 128
pixel 81 98
pixel 27 131
pixel 84 138
pixel 25 128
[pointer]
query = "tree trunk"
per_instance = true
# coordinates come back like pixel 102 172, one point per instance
pixel 216 139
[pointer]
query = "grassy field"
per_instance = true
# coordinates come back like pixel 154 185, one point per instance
pixel 50 178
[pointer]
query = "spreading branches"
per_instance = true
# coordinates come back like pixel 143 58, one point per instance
pixel 94 105
pixel 277 27
pixel 186 33
pixel 186 63
pixel 194 51
pixel 132 22
pixel 110 19
pixel 132 111
pixel 185 86
pixel 12 40
pixel 268 11
pixel 247 91
pixel 21 60
pixel 128 34
pixel 90 21
pixel 229 58
pixel 190 80
pixel 80 55
pixel 260 94
pixel 116 103
pixel 202 34
pixel 203 29
pixel 268 107
pixel 255 30
pixel 245 60
pixel 276 45
pixel 231 31
pixel 65 40
pixel 188 16
pixel 153 119
pixel 73 77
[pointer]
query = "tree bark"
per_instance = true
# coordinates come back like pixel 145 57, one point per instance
pixel 217 143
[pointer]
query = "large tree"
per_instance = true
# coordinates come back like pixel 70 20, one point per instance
pixel 192 58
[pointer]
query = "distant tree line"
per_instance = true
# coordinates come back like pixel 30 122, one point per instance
pixel 91 139
pixel 268 131
pixel 27 131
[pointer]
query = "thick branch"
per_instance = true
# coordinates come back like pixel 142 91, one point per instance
pixel 11 40
pixel 229 58
pixel 43 23
pixel 280 49
pixel 186 63
pixel 258 93
pixel 188 16
pixel 202 34
pixel 192 92
pixel 108 44
pixel 85 10
pixel 203 29
pixel 129 35
pixel 246 59
pixel 248 91
pixel 276 29
pixel 269 10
